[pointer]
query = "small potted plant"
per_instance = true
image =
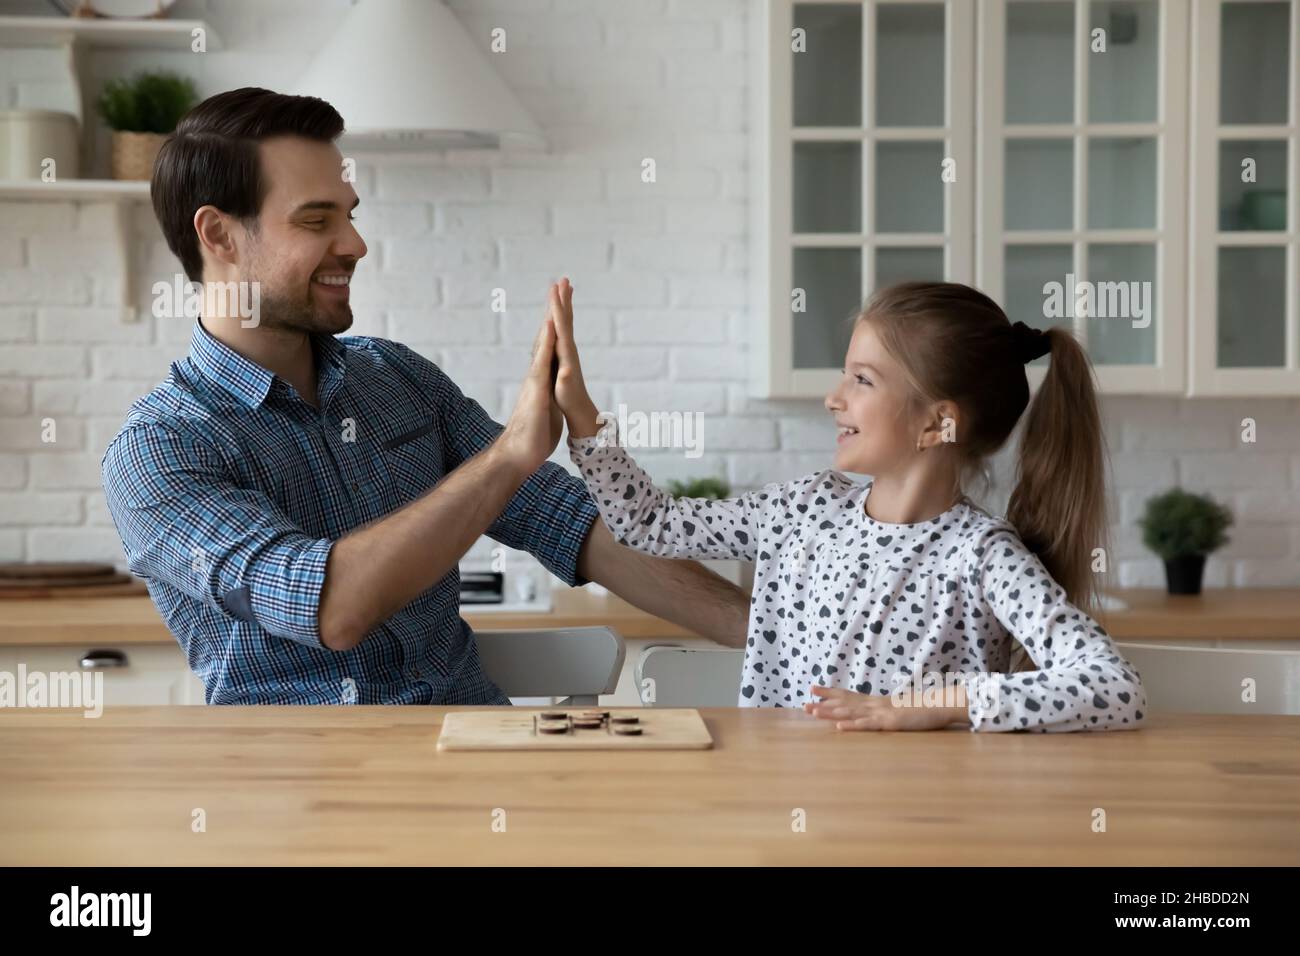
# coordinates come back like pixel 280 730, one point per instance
pixel 1182 528
pixel 141 110
pixel 734 570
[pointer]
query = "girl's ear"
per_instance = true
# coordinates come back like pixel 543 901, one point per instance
pixel 941 426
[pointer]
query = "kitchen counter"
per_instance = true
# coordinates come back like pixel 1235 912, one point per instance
pixel 134 620
pixel 365 785
pixel 1256 614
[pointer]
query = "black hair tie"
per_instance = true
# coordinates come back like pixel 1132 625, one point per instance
pixel 1030 343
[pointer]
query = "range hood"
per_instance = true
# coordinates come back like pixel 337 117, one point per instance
pixel 407 75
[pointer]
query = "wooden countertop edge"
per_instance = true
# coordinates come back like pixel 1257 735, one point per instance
pixel 1228 614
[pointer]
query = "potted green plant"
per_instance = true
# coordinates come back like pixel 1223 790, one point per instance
pixel 736 571
pixel 1182 528
pixel 141 110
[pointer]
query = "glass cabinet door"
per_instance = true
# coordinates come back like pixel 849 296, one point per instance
pixel 1246 85
pixel 1082 167
pixel 872 168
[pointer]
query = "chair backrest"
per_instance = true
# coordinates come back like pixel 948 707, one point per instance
pixel 686 677
pixel 575 662
pixel 1212 680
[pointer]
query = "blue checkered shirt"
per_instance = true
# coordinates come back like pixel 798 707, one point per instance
pixel 229 490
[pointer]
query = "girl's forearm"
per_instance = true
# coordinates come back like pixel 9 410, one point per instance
pixel 585 422
pixel 959 712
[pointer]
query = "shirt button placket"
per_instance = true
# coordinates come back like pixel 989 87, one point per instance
pixel 346 465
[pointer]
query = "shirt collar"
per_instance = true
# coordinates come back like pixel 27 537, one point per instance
pixel 250 382
pixel 331 364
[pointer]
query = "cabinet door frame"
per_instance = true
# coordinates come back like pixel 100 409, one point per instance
pixel 1206 378
pixel 1167 375
pixel 773 374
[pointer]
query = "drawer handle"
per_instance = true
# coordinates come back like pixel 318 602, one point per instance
pixel 103 659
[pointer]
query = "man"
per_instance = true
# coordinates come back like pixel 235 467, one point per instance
pixel 298 503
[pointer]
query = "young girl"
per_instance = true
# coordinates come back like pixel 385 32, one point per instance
pixel 865 591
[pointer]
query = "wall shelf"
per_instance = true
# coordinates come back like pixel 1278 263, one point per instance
pixel 94 33
pixel 79 190
pixel 122 194
pixel 77 37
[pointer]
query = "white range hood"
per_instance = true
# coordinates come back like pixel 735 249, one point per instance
pixel 405 74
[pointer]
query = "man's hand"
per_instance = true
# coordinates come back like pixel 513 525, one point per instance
pixel 536 423
pixel 570 388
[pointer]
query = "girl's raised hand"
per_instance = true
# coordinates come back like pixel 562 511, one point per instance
pixel 853 711
pixel 570 388
pixel 535 425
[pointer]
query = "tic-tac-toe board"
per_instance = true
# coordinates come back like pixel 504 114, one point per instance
pixel 592 728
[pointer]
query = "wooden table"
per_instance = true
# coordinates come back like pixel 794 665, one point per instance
pixel 1225 614
pixel 364 785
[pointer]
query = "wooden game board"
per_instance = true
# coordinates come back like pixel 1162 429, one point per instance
pixel 574 728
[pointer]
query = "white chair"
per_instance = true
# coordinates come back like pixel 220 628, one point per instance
pixel 1210 680
pixel 686 677
pixel 578 663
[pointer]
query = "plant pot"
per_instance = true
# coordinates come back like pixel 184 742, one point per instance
pixel 134 153
pixel 1183 574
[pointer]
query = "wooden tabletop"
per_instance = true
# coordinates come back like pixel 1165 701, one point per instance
pixel 1225 614
pixel 365 785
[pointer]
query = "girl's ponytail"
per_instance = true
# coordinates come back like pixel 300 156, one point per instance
pixel 1059 502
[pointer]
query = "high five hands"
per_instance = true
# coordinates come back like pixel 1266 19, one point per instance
pixel 579 410
pixel 553 390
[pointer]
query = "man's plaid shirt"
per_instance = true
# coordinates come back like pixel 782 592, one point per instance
pixel 229 490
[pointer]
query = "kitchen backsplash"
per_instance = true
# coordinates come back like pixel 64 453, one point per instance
pixel 659 269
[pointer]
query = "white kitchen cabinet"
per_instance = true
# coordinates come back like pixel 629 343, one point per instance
pixel 1097 146
pixel 1082 155
pixel 144 674
pixel 1246 198
pixel 859 109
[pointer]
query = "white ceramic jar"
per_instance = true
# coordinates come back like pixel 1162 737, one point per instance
pixel 28 138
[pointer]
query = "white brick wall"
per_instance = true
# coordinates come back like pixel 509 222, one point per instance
pixel 659 271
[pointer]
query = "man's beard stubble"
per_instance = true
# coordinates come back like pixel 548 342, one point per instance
pixel 282 310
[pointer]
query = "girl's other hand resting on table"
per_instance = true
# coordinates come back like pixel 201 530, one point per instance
pixel 853 711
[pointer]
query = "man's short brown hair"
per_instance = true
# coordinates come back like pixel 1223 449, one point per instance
pixel 211 159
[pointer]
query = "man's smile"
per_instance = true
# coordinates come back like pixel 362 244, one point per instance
pixel 335 284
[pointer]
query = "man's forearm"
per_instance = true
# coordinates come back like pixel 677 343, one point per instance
pixel 683 592
pixel 377 570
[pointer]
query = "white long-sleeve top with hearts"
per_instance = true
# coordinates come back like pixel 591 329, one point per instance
pixel 843 600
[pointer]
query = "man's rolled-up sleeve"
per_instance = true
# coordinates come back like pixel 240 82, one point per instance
pixel 549 517
pixel 184 521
